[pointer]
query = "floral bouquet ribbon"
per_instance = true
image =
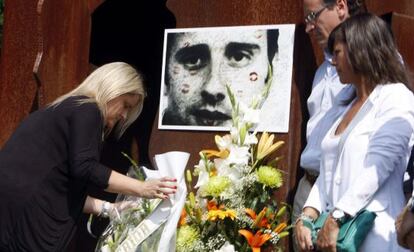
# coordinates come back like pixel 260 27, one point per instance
pixel 157 231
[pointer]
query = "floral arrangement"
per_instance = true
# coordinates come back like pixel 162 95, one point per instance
pixel 128 213
pixel 233 208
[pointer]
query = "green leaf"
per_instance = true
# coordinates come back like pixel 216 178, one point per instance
pixel 243 132
pixel 231 96
pixel 132 161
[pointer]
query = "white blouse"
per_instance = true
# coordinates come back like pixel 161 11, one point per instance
pixel 368 169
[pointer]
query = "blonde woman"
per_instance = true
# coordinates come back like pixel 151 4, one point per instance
pixel 53 156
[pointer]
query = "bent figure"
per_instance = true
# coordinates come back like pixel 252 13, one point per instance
pixel 53 156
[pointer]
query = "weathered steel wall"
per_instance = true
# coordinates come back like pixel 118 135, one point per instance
pixel 46 53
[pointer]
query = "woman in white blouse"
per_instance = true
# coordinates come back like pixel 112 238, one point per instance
pixel 366 150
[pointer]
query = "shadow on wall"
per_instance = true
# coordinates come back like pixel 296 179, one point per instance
pixel 132 31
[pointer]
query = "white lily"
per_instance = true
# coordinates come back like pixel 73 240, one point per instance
pixel 232 172
pixel 227 247
pixel 251 139
pixel 203 174
pixel 250 115
pixel 234 133
pixel 224 142
pixel 239 155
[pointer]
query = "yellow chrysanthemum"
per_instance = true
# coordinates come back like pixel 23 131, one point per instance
pixel 186 236
pixel 269 176
pixel 213 215
pixel 216 185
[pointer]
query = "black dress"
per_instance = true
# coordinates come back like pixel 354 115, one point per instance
pixel 45 169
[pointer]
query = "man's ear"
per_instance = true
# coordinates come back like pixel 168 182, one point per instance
pixel 342 9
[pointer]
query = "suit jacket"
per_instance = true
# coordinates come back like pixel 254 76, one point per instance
pixel 368 170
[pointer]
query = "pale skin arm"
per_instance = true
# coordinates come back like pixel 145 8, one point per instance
pixel 119 183
pixel 155 188
pixel 92 206
pixel 303 234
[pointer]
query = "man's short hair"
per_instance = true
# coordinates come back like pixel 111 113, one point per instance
pixel 354 6
pixel 272 43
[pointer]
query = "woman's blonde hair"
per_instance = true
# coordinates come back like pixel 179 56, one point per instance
pixel 106 83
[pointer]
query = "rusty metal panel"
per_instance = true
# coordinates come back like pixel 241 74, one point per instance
pixel 403 29
pixel 230 12
pixel 45 54
pixel 63 49
pixel 17 83
pixel 381 7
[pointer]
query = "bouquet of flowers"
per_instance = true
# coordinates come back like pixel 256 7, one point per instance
pixel 138 224
pixel 128 216
pixel 233 208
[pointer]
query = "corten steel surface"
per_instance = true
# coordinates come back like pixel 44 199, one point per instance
pixel 381 7
pixel 45 54
pixel 402 24
pixel 403 29
pixel 17 84
pixel 63 55
pixel 57 34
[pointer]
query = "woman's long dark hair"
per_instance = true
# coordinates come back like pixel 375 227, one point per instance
pixel 372 52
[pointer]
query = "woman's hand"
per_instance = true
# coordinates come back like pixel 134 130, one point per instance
pixel 153 188
pixel 158 188
pixel 303 233
pixel 405 229
pixel 303 236
pixel 328 235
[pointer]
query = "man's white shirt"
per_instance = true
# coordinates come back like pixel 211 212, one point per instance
pixel 326 86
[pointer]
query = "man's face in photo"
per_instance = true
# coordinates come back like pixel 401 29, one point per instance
pixel 200 64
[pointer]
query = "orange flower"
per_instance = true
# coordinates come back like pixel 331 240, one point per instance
pixel 259 220
pixel 182 220
pixel 212 205
pixel 280 228
pixel 255 241
pixel 213 172
pixel 214 153
pixel 217 212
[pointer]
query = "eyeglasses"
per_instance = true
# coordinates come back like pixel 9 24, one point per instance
pixel 312 16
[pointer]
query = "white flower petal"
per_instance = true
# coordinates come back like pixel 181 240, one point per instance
pixel 227 247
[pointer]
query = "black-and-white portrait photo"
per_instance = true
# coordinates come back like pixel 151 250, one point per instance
pixel 198 63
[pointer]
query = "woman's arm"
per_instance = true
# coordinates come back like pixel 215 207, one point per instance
pixel 303 233
pixel 155 188
pixel 93 206
pixel 310 212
